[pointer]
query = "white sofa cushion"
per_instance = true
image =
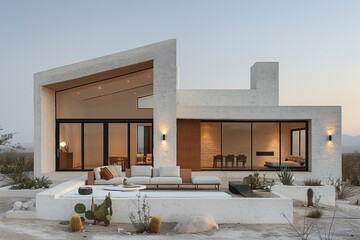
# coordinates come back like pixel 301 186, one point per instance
pixel 206 180
pixel 113 181
pixel 156 172
pixel 139 180
pixel 166 180
pixel 115 170
pixel 141 171
pixel 173 171
pixel 97 173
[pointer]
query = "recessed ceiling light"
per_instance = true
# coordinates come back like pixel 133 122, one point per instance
pixel 135 93
pixel 128 81
pixel 78 93
pixel 149 76
pixel 99 87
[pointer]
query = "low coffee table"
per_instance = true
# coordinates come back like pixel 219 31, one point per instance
pixel 127 188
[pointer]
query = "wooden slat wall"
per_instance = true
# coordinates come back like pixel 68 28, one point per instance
pixel 188 144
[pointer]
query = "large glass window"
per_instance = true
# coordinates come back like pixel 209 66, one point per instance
pixel 118 144
pixel 236 145
pixel 254 145
pixel 115 98
pixel 69 149
pixel 93 145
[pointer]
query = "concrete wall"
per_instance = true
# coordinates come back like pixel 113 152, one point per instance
pixel 162 54
pixel 264 91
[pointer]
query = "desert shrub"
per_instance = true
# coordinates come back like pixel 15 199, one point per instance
pixel 15 167
pixel 314 213
pixel 351 168
pixel 140 219
pixel 303 230
pixel 286 177
pixel 30 183
pixel 343 190
pixel 312 182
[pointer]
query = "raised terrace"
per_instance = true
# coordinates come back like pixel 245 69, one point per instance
pixel 173 205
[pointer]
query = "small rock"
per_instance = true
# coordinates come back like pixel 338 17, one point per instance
pixel 355 201
pixel 196 224
pixel 120 230
pixel 18 205
pixel 127 233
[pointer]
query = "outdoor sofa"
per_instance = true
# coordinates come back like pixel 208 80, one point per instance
pixel 147 175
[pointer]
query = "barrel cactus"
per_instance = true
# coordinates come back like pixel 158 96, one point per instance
pixel 155 225
pixel 98 212
pixel 75 223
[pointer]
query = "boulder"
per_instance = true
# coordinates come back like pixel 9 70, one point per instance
pixel 18 205
pixel 196 224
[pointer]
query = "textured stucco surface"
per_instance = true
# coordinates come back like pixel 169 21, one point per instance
pixel 163 55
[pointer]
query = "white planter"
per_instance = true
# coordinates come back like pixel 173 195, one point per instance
pixel 26 193
pixel 327 193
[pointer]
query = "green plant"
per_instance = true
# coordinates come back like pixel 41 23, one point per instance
pixel 141 218
pixel 29 183
pixel 253 180
pixel 155 225
pixel 43 182
pixel 343 190
pixel 98 213
pixel 312 182
pixel 286 177
pixel 75 223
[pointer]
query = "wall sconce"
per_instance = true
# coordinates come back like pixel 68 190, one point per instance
pixel 330 137
pixel 163 137
pixel 64 146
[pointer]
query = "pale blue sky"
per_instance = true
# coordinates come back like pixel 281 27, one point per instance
pixel 316 42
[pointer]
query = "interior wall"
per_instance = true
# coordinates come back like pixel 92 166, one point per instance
pixel 236 139
pixel 71 132
pixel 285 137
pixel 210 143
pixel 118 144
pixel 265 139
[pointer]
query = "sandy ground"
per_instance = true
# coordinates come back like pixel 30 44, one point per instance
pixel 40 229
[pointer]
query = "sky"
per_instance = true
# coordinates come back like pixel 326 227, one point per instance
pixel 317 44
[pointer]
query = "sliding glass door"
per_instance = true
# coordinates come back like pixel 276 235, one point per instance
pixel 84 145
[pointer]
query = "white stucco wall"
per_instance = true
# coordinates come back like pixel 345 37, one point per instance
pixel 163 55
pixel 264 90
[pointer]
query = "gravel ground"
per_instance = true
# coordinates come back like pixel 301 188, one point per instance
pixel 40 229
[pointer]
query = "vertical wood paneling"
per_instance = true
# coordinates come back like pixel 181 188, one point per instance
pixel 188 144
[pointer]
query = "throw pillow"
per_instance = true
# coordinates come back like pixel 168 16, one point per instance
pixel 106 174
pixel 113 171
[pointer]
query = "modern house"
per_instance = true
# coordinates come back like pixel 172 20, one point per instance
pixel 125 109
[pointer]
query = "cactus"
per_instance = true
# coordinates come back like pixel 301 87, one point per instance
pixel 155 225
pixel 310 195
pixel 75 223
pixel 97 213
